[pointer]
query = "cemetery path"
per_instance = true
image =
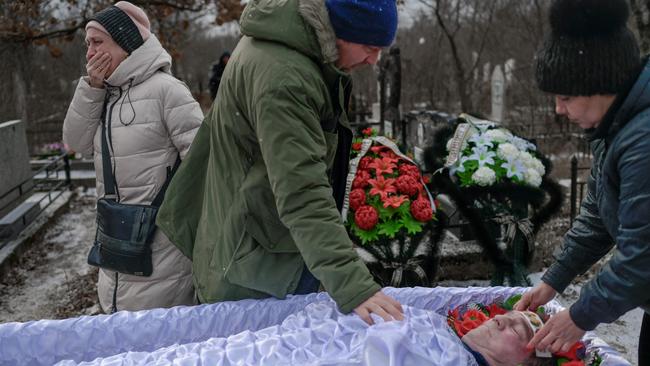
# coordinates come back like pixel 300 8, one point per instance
pixel 52 280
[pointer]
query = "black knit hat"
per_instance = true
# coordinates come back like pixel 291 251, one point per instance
pixel 120 27
pixel 589 51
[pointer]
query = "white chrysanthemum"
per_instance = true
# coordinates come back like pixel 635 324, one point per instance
pixel 496 136
pixel 533 178
pixel 539 167
pixel 522 144
pixel 484 176
pixel 532 162
pixel 507 151
pixel 506 132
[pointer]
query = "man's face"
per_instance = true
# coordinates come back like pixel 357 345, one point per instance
pixel 585 111
pixel 100 42
pixel 353 55
pixel 505 337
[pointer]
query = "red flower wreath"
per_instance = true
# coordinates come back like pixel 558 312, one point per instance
pixel 387 194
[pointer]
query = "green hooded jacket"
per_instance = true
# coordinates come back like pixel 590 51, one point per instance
pixel 253 201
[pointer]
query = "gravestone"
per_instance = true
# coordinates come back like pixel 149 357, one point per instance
pixel 498 93
pixel 376 113
pixel 388 128
pixel 420 134
pixel 15 172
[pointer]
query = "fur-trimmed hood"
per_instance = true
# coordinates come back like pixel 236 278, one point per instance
pixel 303 25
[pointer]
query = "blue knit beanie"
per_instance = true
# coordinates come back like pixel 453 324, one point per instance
pixel 367 22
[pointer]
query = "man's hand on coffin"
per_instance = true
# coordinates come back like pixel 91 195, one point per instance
pixel 382 305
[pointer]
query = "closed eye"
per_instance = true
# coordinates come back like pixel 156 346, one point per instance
pixel 516 333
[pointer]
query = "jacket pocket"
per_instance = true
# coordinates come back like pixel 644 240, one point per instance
pixel 263 222
pixel 254 267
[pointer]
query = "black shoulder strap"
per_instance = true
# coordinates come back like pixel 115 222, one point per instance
pixel 109 178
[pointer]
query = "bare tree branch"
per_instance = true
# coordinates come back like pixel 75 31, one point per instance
pixel 485 33
pixel 641 11
pixel 460 73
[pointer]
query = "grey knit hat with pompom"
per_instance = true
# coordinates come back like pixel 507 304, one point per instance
pixel 589 51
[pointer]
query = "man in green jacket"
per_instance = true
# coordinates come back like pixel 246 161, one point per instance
pixel 256 202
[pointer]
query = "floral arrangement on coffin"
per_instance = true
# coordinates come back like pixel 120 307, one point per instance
pixel 463 319
pixel 390 212
pixel 501 186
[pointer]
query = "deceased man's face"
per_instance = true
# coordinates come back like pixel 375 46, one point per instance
pixel 504 337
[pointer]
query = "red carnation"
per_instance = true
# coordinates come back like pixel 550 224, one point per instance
pixel 472 319
pixel 408 185
pixel 467 325
pixel 356 146
pixel 366 217
pixel 476 315
pixel 367 132
pixel 409 169
pixel 357 198
pixel 361 179
pixel 421 209
pixel 365 162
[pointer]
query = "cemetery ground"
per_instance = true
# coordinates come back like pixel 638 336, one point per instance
pixel 51 280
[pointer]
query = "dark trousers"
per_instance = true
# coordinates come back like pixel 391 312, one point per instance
pixel 644 341
pixel 307 284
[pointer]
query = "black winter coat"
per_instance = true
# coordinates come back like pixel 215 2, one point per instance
pixel 615 212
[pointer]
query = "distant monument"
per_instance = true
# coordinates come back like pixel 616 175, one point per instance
pixel 498 94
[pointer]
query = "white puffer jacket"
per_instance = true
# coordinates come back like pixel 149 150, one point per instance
pixel 154 120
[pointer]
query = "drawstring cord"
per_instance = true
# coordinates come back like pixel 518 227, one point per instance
pixel 128 95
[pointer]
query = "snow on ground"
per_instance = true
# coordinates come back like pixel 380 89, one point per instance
pixel 52 277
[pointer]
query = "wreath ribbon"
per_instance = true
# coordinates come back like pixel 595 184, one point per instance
pixel 525 226
pixel 413 265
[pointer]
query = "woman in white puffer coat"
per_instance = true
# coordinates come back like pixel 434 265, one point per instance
pixel 153 119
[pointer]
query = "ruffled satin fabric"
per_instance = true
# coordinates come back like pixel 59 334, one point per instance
pixel 300 330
